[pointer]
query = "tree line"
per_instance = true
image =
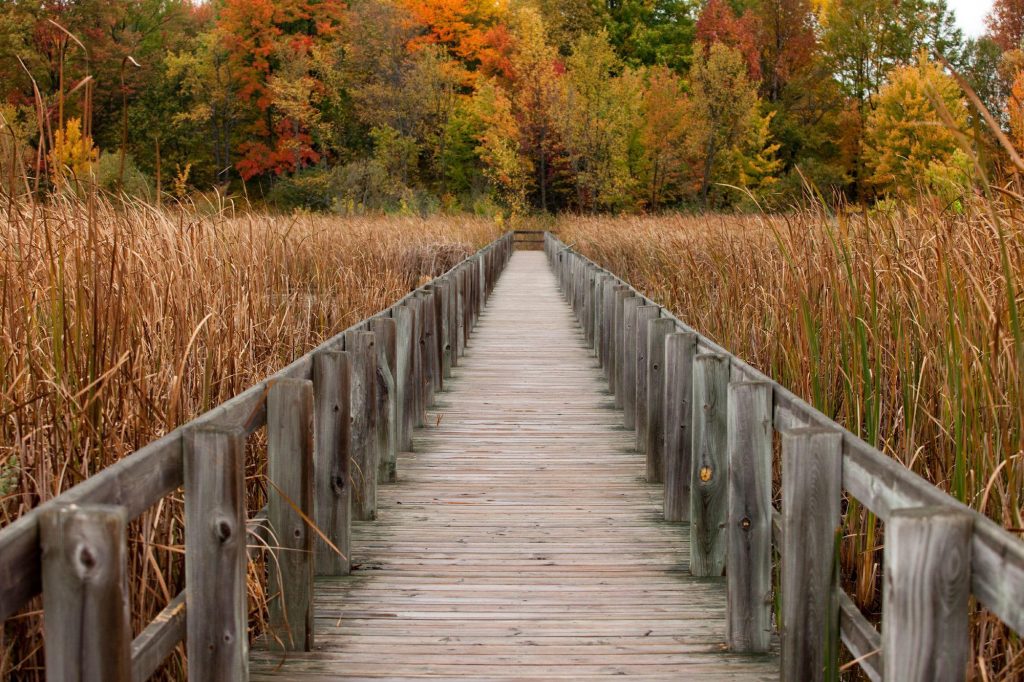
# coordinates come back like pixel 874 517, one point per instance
pixel 522 105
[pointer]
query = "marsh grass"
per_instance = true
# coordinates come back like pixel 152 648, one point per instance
pixel 904 326
pixel 119 322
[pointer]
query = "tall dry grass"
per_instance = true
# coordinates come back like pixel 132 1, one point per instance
pixel 120 322
pixel 903 326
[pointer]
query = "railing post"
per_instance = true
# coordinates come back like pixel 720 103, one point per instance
pixel 811 485
pixel 608 330
pixel 598 318
pixel 588 305
pixel 290 474
pixel 627 374
pixel 442 301
pixel 452 286
pixel 680 351
pixel 709 470
pixel 654 426
pixel 215 555
pixel 85 593
pixel 415 304
pixel 332 502
pixel 387 400
pixel 645 314
pixel 433 347
pixel 615 378
pixel 460 308
pixel 405 357
pixel 925 617
pixel 749 555
pixel 364 455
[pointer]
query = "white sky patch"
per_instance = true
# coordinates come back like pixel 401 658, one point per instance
pixel 970 15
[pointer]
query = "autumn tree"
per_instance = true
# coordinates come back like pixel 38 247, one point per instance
pixel 663 133
pixel 648 32
pixel 908 144
pixel 261 37
pixel 535 94
pixel 1006 23
pixel 471 31
pixel 718 23
pixel 597 116
pixel 1015 111
pixel 787 42
pixel 724 121
pixel 498 145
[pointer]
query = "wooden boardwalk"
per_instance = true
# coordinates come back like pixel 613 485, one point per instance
pixel 521 541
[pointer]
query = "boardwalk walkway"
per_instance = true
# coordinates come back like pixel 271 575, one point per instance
pixel 521 541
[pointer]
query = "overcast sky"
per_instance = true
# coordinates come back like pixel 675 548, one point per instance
pixel 971 15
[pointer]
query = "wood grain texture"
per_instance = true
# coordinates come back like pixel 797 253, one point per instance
pixel 622 294
pixel 363 454
pixel 654 448
pixel 156 642
pixel 215 555
pixel 520 541
pixel 627 372
pixel 387 397
pixel 811 486
pixel 85 593
pixel 404 358
pixel 332 376
pixel 680 351
pixel 749 555
pixel 925 595
pixel 290 439
pixel 709 468
pixel 644 316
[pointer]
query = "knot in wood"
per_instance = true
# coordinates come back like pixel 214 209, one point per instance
pixel 86 559
pixel 705 474
pixel 745 523
pixel 223 529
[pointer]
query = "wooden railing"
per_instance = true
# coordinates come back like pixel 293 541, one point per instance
pixel 335 419
pixel 706 420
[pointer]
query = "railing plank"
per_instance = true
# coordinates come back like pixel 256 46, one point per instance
pixel 860 637
pixel 387 398
pixel 154 644
pixel 644 315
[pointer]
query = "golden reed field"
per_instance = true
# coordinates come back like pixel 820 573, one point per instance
pixel 119 323
pixel 903 326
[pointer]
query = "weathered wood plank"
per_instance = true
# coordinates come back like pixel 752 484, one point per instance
pixel 387 398
pixel 710 465
pixel 332 377
pixel 749 536
pixel 622 294
pixel 811 486
pixel 290 439
pixel 925 595
pixel 363 453
pixel 85 593
pixel 215 555
pixel 680 351
pixel 644 315
pixel 404 372
pixel 627 376
pixel 155 643
pixel 657 334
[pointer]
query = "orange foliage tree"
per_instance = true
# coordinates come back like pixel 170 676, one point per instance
pixel 470 30
pixel 719 24
pixel 262 36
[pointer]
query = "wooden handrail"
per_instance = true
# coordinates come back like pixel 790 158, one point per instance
pixel 993 560
pixel 451 305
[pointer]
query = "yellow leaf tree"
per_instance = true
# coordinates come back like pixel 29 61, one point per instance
pixel 910 146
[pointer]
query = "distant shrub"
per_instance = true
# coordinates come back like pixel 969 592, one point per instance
pixel 136 183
